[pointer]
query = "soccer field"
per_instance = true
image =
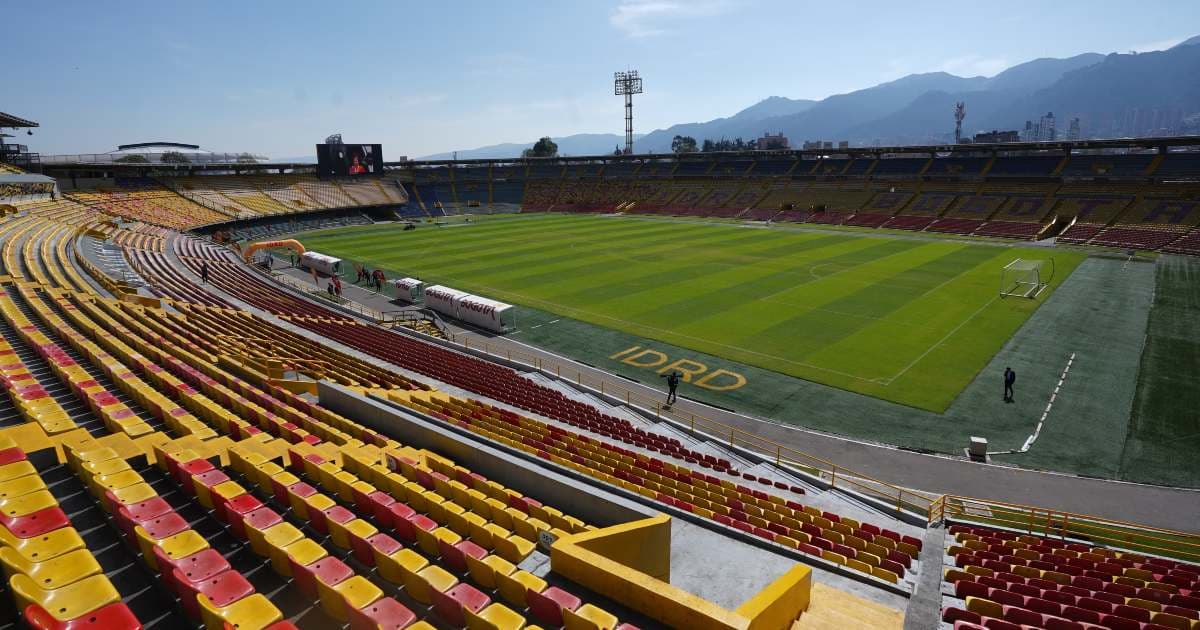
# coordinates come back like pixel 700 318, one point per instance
pixel 905 319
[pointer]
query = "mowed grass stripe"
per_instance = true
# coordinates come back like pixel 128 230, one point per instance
pixel 809 332
pixel 733 286
pixel 565 267
pixel 659 274
pixel 498 257
pixel 453 246
pixel 875 259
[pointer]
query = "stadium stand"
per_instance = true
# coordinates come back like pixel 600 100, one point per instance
pixel 997 578
pixel 1179 165
pixel 957 166
pixel 1026 166
pixel 899 167
pixel 163 458
pixel 1109 165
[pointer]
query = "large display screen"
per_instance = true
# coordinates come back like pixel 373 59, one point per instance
pixel 342 160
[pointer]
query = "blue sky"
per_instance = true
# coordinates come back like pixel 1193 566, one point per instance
pixel 423 77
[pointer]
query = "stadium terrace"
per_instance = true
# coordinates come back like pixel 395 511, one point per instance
pixel 204 427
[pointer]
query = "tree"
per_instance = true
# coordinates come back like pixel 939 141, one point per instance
pixel 709 146
pixel 133 159
pixel 175 157
pixel 545 147
pixel 683 144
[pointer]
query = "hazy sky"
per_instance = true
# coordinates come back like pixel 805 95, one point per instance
pixel 422 77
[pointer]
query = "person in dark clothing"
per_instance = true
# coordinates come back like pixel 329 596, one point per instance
pixel 329 288
pixel 1010 377
pixel 204 272
pixel 379 278
pixel 672 385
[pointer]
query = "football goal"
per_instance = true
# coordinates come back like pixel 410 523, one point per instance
pixel 1026 278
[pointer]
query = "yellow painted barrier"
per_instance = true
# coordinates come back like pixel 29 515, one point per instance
pixel 630 563
pixel 781 602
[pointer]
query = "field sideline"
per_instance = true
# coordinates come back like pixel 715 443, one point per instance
pixel 907 320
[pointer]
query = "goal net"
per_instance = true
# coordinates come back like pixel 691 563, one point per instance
pixel 1025 278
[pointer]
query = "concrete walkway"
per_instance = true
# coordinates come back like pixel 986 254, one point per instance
pixel 1157 506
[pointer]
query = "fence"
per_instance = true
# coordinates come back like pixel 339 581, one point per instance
pixel 1067 525
pixel 829 472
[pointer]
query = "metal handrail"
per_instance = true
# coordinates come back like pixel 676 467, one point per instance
pixel 1067 525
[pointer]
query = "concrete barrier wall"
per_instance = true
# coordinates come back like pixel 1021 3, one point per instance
pixel 609 561
pixel 585 500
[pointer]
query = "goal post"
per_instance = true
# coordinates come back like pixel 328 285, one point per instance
pixel 1026 278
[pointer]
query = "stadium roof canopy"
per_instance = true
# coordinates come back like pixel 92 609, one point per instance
pixel 143 148
pixel 8 120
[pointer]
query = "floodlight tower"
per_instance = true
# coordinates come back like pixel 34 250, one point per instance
pixel 960 112
pixel 627 84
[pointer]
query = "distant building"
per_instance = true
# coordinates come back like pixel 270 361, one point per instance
pixel 994 136
pixel 1041 131
pixel 1073 131
pixel 823 144
pixel 768 141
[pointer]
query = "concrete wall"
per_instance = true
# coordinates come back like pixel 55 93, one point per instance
pixel 587 502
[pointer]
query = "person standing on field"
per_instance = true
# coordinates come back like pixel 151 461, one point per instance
pixel 1010 378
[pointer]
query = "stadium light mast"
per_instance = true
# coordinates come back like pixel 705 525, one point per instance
pixel 960 112
pixel 627 84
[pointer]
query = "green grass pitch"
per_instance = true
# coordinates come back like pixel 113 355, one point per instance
pixel 904 319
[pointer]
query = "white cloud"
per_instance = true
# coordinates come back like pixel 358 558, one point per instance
pixel 1161 44
pixel 974 65
pixel 648 18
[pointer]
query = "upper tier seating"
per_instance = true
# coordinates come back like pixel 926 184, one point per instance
pixel 898 167
pixel 149 203
pixel 1108 165
pixel 1179 165
pixel 774 167
pixel 693 168
pixel 957 167
pixel 1025 166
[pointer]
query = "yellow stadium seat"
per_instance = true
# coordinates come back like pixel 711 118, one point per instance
pixel 249 613
pixel 588 617
pixel 494 617
pixel 69 602
pixel 513 587
pixel 354 592
pixel 54 572
pixel 430 578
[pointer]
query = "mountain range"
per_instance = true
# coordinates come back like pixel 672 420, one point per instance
pixel 1112 95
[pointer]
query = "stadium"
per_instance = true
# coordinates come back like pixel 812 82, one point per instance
pixel 760 388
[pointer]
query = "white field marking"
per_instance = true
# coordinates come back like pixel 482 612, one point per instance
pixel 940 341
pixel 1054 396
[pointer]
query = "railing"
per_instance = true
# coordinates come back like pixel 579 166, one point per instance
pixel 829 472
pixel 1067 526
pixel 153 158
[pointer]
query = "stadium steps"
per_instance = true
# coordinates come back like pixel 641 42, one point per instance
pixel 112 261
pixel 152 605
pixel 40 368
pixel 97 375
